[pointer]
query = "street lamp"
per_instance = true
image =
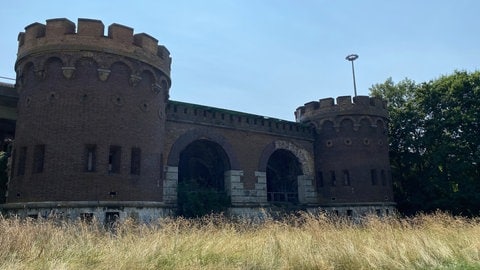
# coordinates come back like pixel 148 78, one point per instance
pixel 351 58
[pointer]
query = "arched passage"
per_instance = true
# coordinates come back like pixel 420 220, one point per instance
pixel 201 183
pixel 283 169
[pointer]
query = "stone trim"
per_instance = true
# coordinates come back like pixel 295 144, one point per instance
pixel 170 184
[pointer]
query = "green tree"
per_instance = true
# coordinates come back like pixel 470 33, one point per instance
pixel 435 142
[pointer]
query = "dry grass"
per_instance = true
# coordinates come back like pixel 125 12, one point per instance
pixel 437 241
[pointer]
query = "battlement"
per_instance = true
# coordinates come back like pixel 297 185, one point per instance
pixel 63 35
pixel 344 105
pixel 209 116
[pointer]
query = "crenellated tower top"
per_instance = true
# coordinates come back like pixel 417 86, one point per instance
pixel 62 35
pixel 327 108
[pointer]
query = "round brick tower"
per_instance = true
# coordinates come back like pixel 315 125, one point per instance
pixel 91 117
pixel 351 154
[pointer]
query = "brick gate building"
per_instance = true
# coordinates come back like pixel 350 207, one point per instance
pixel 96 135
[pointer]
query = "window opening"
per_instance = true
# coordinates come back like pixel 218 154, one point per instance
pixel 373 176
pixel 114 159
pixel 135 161
pixel 86 217
pixel 111 218
pixel 346 178
pixel 91 157
pixel 333 178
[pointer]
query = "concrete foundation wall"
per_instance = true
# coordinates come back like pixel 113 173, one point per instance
pixel 144 212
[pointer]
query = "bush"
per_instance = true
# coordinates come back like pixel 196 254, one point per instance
pixel 196 201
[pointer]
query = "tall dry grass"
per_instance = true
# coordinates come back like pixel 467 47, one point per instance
pixel 438 241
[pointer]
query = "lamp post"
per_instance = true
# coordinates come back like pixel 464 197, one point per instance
pixel 351 58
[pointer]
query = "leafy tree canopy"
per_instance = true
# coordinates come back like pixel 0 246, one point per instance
pixel 435 142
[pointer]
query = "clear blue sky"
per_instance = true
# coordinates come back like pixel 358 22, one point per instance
pixel 269 57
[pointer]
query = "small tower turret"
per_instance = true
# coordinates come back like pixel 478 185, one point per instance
pixel 351 153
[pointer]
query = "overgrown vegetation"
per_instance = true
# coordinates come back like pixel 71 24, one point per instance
pixel 3 175
pixel 438 241
pixel 435 143
pixel 195 200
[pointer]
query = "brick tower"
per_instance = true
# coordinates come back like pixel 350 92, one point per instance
pixel 91 117
pixel 351 154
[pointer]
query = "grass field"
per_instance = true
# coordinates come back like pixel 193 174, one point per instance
pixel 437 241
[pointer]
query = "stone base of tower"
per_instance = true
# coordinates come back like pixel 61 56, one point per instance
pixel 101 211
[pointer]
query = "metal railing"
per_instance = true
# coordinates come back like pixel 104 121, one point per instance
pixel 291 197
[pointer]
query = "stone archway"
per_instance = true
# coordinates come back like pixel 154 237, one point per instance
pixel 201 179
pixel 300 161
pixel 283 170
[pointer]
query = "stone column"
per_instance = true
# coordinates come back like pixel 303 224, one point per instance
pixel 234 187
pixel 170 184
pixel 306 189
pixel 261 188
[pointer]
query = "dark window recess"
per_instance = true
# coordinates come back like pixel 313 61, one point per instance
pixel 33 216
pixel 349 213
pixel 346 178
pixel 135 161
pixel 111 218
pixel 378 212
pixel 373 176
pixel 86 217
pixel 319 179
pixel 22 159
pixel 114 159
pixel 383 177
pixel 90 157
pixel 38 158
pixel 333 178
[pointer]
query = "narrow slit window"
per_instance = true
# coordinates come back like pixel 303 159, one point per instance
pixel 90 157
pixel 333 178
pixel 38 158
pixel 346 178
pixel 114 159
pixel 135 161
